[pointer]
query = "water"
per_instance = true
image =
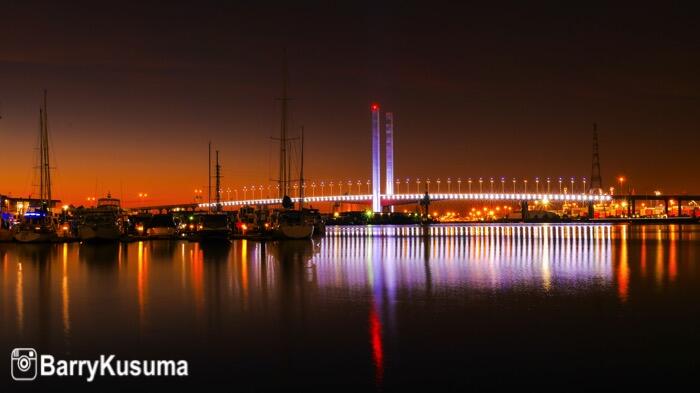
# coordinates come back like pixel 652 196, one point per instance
pixel 547 307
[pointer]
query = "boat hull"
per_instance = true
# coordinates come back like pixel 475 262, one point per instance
pixel 161 233
pixel 99 233
pixel 214 235
pixel 25 236
pixel 295 231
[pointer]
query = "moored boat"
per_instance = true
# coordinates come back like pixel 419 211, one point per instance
pixel 213 227
pixel 102 222
pixel 291 224
pixel 161 226
pixel 38 226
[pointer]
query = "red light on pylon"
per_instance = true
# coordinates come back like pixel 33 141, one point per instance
pixel 375 107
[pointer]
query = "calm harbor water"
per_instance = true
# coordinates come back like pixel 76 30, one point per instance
pixel 549 307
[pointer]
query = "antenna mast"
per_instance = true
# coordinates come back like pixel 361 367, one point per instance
pixel 596 181
pixel 47 167
pixel 44 163
pixel 209 178
pixel 218 183
pixel 41 154
pixel 301 172
pixel 283 169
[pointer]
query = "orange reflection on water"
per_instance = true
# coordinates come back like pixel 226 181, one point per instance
pixel 244 268
pixel 19 296
pixel 65 295
pixel 672 256
pixel 623 270
pixel 643 253
pixel 659 266
pixel 198 278
pixel 142 279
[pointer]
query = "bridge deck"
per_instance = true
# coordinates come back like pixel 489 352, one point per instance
pixel 403 198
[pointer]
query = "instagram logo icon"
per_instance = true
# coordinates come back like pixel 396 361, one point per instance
pixel 23 362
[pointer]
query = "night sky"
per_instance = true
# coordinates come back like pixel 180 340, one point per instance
pixel 137 89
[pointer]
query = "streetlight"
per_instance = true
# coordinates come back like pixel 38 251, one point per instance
pixel 349 186
pixel 481 185
pixel 418 185
pixel 313 189
pixel 368 184
pixel 245 192
pixel 548 189
pixel 408 189
pixel 513 185
pixel 296 188
pixel 427 182
pixel 359 184
pixel 621 180
pixel 584 185
pixel 537 185
pixel 330 184
pixel 449 185
pixel 470 185
pixel 235 193
pixel 398 185
pixel 503 185
pixel 438 183
pixel 260 188
pixel 572 185
pixel 459 185
pixel 560 185
pixel 323 186
pixel 525 183
pixel 228 193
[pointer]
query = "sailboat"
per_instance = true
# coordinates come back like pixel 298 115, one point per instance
pixel 214 226
pixel 39 224
pixel 288 222
pixel 291 223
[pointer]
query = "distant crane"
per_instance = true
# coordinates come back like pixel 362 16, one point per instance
pixel 596 183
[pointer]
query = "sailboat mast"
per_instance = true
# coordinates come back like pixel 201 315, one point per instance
pixel 218 183
pixel 209 178
pixel 47 166
pixel 283 170
pixel 301 172
pixel 41 155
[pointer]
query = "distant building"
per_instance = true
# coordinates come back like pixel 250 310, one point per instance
pixel 19 205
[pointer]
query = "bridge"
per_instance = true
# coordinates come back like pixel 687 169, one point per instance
pixel 379 201
pixel 522 199
pixel 401 199
pixel 668 200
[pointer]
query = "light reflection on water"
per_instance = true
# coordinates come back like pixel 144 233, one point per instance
pixel 472 256
pixel 59 296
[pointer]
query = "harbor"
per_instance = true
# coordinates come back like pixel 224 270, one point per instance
pixel 355 197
